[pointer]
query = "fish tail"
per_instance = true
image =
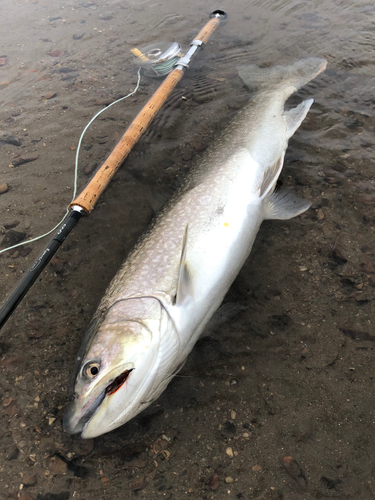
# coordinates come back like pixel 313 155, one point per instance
pixel 291 77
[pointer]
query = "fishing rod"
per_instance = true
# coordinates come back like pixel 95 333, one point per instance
pixel 86 200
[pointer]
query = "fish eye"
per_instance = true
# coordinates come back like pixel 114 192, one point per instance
pixel 91 369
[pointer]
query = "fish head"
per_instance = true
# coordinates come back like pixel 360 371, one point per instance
pixel 113 371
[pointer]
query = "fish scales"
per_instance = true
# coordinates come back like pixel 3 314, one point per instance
pixel 161 299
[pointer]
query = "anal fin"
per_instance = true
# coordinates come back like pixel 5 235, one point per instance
pixel 284 204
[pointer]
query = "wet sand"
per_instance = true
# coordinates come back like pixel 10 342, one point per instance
pixel 275 404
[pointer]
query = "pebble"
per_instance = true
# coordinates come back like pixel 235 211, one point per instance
pixel 368 268
pixel 229 480
pixel 187 155
pixel 229 452
pixel 50 95
pixel 58 466
pixel 3 60
pixel 198 146
pixel 47 444
pixel 90 168
pixel 57 265
pixel 256 468
pixel 367 199
pixel 138 484
pixel 10 225
pixel 214 482
pixel 29 480
pixel 55 53
pixel 83 447
pixel 338 257
pixel 104 102
pixel 14 141
pixel 295 471
pixel 320 214
pixel 25 496
pixel 3 188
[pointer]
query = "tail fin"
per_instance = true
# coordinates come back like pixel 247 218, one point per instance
pixel 294 76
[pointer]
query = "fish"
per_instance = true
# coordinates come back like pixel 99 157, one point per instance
pixel 160 301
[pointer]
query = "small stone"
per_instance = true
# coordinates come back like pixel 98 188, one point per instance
pixel 138 484
pixel 90 168
pixel 3 188
pixel 187 155
pixel 233 415
pixel 10 225
pixel 47 444
pixel 303 269
pixel 256 468
pixel 367 267
pixel 229 480
pixel 79 36
pixel 29 480
pixel 50 95
pixel 58 466
pixel 338 257
pixel 25 496
pixel 214 482
pixel 320 214
pixel 229 452
pixel 13 453
pixel 83 447
pixel 105 481
pixel 55 53
pixel 198 146
pixel 230 427
pixel 11 410
pixel 367 199
pixel 295 471
pixel 3 60
pixel 104 102
pixel 14 141
pixel 57 265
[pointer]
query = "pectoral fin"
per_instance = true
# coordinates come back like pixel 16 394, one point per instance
pixel 184 284
pixel 284 204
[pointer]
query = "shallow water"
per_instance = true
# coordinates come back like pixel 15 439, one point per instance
pixel 292 374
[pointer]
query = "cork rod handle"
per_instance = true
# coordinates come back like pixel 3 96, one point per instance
pixel 87 199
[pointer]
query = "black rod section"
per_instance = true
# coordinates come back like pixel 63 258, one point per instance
pixel 38 266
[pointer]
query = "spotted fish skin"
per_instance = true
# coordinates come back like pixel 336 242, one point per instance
pixel 161 299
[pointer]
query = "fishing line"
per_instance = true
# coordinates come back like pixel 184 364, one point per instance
pixel 76 168
pixel 155 61
pixel 85 202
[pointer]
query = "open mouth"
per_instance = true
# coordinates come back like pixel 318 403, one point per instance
pixel 113 387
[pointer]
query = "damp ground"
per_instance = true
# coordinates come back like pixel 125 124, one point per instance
pixel 277 403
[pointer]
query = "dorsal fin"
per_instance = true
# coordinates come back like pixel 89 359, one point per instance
pixel 270 176
pixel 184 284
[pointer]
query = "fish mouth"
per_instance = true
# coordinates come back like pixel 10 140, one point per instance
pixel 72 427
